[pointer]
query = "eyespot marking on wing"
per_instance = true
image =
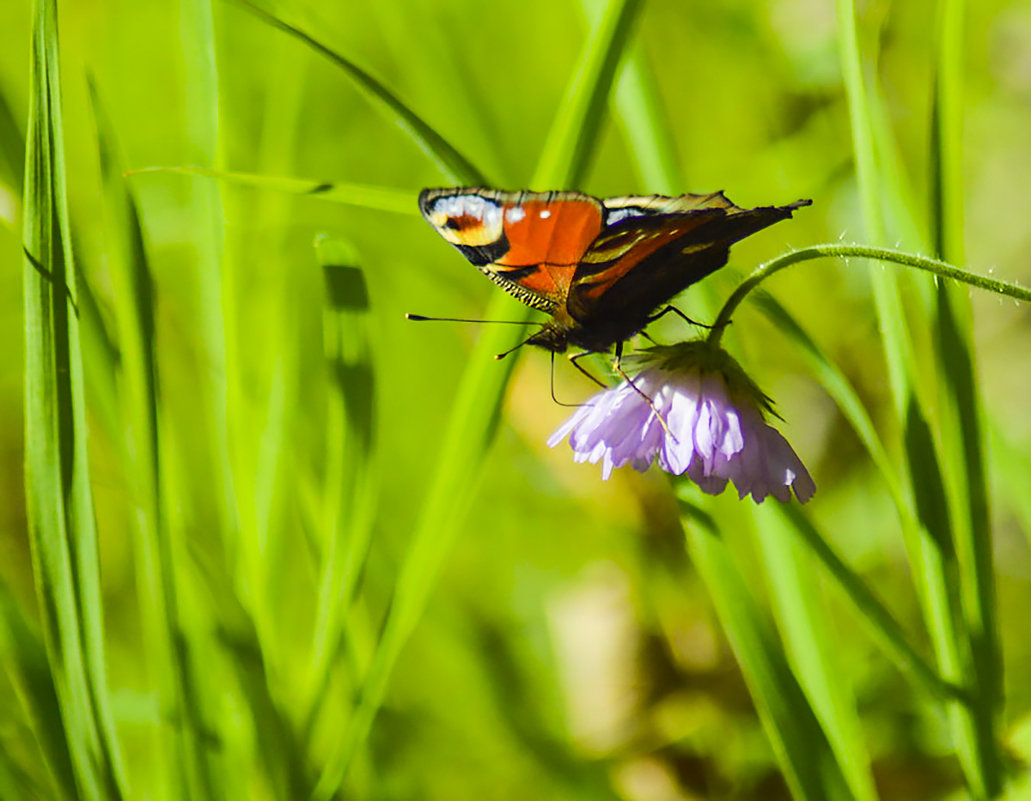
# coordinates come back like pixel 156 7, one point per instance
pixel 469 220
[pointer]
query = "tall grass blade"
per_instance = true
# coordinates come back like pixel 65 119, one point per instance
pixel 12 148
pixel 12 164
pixel 963 433
pixel 800 617
pixel 202 480
pixel 352 480
pixel 282 757
pixel 837 385
pixel 809 644
pixel 453 164
pixel 477 400
pixel 180 742
pixel 931 553
pixel 575 131
pixel 798 741
pixel 647 130
pixel 25 658
pixel 59 502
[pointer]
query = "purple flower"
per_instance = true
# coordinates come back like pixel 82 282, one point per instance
pixel 715 428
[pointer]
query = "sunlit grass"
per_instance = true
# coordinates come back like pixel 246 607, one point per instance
pixel 274 542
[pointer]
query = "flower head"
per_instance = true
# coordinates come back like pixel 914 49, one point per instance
pixel 713 426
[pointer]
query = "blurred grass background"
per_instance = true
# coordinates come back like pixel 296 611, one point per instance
pixel 253 522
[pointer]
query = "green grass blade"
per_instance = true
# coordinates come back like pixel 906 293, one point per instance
pixel 574 133
pixel 897 346
pixel 477 399
pixel 963 430
pixel 809 644
pixel 25 658
pixel 12 148
pixel 12 164
pixel 932 553
pixel 378 198
pixel 200 481
pixel 180 742
pixel 834 382
pixel 60 507
pixel 351 486
pixel 277 742
pixel 798 741
pixel 453 164
pixel 881 624
pixel 800 615
pixel 645 128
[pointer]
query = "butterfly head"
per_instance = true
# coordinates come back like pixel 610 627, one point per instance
pixel 552 336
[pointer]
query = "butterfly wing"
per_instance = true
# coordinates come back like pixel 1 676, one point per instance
pixel 529 243
pixel 652 248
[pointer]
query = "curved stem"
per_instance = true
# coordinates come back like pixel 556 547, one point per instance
pixel 939 268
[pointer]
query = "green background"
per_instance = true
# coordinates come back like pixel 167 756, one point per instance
pixel 570 646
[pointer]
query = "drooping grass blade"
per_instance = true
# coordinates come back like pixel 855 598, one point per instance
pixel 380 198
pixel 456 166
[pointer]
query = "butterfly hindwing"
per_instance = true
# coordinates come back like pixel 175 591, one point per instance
pixel 655 248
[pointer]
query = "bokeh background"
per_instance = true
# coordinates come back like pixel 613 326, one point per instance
pixel 567 646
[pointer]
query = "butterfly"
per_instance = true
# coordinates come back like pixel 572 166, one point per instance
pixel 599 266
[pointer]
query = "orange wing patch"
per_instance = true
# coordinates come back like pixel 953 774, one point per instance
pixel 556 232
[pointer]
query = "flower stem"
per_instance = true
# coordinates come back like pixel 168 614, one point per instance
pixel 939 268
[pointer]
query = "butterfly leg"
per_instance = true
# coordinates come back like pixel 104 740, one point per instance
pixel 617 365
pixel 556 400
pixel 574 359
pixel 666 310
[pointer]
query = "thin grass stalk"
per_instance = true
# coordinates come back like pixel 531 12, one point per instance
pixel 209 484
pixel 155 574
pixel 964 434
pixel 478 397
pixel 62 533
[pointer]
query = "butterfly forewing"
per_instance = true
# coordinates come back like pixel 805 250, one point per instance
pixel 529 243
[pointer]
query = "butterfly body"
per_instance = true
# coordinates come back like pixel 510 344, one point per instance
pixel 599 267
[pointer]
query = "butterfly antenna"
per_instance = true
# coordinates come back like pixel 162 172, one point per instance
pixel 421 318
pixel 514 348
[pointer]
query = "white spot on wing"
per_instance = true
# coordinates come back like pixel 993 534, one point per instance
pixel 613 216
pixel 545 214
pixel 514 214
